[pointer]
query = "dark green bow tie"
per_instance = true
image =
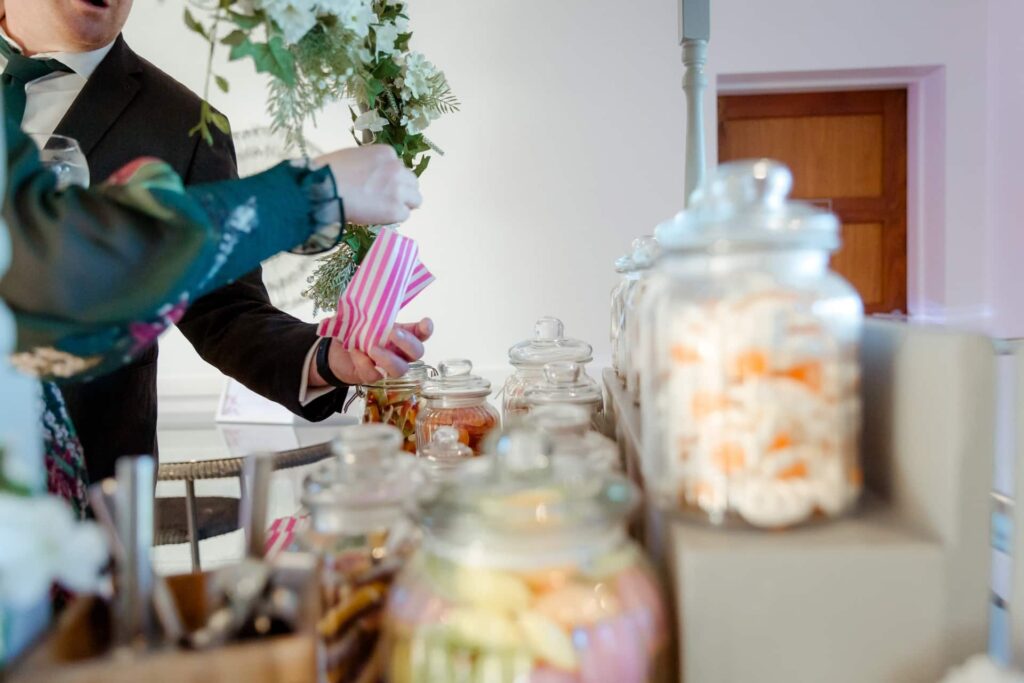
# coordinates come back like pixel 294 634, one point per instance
pixel 19 72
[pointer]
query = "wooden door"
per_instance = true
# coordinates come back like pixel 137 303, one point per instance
pixel 847 151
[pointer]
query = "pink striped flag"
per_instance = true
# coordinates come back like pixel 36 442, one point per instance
pixel 389 278
pixel 281 533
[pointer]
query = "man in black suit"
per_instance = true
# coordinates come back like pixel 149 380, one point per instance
pixel 120 107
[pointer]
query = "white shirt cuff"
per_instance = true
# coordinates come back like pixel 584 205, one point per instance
pixel 306 394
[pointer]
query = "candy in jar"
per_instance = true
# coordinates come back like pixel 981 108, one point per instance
pixel 456 398
pixel 358 529
pixel 753 365
pixel 549 344
pixel 565 383
pixel 395 401
pixel 526 574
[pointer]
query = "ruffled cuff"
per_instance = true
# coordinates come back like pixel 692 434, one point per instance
pixel 326 210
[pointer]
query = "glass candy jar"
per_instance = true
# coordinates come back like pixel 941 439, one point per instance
pixel 627 276
pixel 752 358
pixel 646 251
pixel 568 429
pixel 395 401
pixel 445 453
pixel 456 398
pixel 359 531
pixel 526 573
pixel 549 344
pixel 566 383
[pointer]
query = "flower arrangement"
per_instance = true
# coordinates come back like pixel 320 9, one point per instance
pixel 43 542
pixel 316 52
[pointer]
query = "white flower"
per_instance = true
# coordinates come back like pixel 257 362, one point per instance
pixel 416 76
pixel 386 37
pixel 355 15
pixel 43 543
pixel 364 55
pixel 416 119
pixel 23 470
pixel 293 17
pixel 371 121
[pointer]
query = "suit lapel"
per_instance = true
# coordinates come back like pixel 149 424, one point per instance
pixel 110 88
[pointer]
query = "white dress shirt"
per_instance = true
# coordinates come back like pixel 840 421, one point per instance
pixel 49 98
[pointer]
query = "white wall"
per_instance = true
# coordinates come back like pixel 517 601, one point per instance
pixel 570 143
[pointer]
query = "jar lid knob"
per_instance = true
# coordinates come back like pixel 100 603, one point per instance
pixel 524 450
pixel 548 329
pixel 458 367
pixel 446 437
pixel 756 181
pixel 562 372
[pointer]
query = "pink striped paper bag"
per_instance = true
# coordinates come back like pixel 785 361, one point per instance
pixel 281 533
pixel 389 278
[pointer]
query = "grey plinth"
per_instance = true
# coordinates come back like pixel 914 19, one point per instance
pixel 896 592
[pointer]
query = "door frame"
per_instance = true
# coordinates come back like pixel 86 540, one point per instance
pixel 926 159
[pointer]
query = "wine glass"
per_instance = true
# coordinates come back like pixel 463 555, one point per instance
pixel 64 158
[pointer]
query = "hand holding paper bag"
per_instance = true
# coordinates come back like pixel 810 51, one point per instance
pixel 390 277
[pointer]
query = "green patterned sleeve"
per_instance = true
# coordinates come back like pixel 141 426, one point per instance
pixel 96 275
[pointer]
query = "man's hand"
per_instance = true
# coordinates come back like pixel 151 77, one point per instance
pixel 376 188
pixel 405 344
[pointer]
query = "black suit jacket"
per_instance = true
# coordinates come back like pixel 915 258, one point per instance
pixel 129 108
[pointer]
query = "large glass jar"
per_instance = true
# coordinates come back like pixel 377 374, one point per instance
pixel 358 529
pixel 569 431
pixel 456 398
pixel 395 401
pixel 752 367
pixel 646 251
pixel 565 383
pixel 526 573
pixel 549 344
pixel 624 267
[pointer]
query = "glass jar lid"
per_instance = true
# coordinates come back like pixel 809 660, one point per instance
pixel 455 379
pixel 565 382
pixel 445 451
pixel 549 344
pixel 369 469
pixel 414 377
pixel 624 264
pixel 523 491
pixel 646 251
pixel 569 429
pixel 744 204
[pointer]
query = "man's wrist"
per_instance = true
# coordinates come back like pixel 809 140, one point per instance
pixel 322 365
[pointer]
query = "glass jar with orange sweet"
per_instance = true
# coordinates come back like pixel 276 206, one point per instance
pixel 456 398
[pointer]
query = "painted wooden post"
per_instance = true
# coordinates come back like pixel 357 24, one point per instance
pixel 694 33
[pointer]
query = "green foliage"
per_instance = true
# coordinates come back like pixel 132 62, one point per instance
pixel 328 63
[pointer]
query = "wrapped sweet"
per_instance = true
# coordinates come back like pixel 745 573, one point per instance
pixel 548 345
pixel 752 358
pixel 456 398
pixel 526 574
pixel 395 402
pixel 358 529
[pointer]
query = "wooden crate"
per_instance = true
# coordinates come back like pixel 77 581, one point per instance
pixel 77 651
